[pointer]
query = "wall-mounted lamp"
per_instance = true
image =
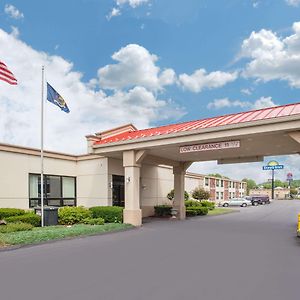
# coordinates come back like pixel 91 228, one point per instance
pixel 127 179
pixel 110 185
pixel 143 186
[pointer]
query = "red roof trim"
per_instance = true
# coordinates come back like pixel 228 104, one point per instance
pixel 230 119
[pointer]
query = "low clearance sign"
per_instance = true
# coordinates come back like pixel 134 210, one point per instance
pixel 210 146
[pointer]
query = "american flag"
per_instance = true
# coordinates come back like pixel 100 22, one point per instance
pixel 7 75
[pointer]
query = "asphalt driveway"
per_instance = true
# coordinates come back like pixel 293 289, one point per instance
pixel 249 255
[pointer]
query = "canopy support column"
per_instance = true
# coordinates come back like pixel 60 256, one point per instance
pixel 132 213
pixel 179 188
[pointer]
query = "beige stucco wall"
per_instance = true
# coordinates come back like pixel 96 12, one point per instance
pixel 91 178
pixel 278 192
pixel 193 182
pixel 93 182
pixel 14 177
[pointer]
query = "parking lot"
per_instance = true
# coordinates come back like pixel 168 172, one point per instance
pixel 251 254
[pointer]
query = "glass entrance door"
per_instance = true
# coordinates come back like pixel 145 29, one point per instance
pixel 118 190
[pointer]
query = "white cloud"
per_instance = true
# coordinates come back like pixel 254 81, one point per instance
pixel 262 102
pixel 293 2
pixel 15 31
pixel 201 80
pixel 247 92
pixel 273 57
pixel 91 109
pixel 114 13
pixel 135 66
pixel 13 12
pixel 132 3
pixel 225 102
pixel 255 4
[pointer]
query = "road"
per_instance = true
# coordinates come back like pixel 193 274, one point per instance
pixel 249 255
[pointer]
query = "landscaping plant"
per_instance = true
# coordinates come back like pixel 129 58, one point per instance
pixel 10 212
pixel 29 218
pixel 110 214
pixel 200 194
pixel 162 210
pixel 13 227
pixel 73 215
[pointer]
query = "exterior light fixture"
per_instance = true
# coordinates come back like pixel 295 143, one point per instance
pixel 127 179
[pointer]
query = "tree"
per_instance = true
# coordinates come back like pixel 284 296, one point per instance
pixel 277 183
pixel 170 196
pixel 200 194
pixel 251 184
pixel 215 175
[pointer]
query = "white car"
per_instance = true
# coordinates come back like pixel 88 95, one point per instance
pixel 236 202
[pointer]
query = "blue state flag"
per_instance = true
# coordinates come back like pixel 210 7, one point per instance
pixel 54 97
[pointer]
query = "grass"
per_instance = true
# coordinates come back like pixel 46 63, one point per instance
pixel 49 233
pixel 220 211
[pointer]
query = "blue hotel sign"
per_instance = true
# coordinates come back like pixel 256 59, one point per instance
pixel 273 165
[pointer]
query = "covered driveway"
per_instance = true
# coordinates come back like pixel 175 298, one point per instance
pixel 235 138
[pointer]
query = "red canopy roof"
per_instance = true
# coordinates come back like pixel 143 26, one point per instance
pixel 243 117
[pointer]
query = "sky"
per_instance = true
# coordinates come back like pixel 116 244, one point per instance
pixel 146 62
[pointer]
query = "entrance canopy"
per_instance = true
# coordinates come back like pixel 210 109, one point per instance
pixel 252 135
pixel 234 138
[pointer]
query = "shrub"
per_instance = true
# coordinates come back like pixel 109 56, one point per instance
pixel 200 194
pixel 10 212
pixel 29 218
pixel 12 227
pixel 162 210
pixel 72 215
pixel 170 196
pixel 110 214
pixel 191 212
pixel 196 211
pixel 210 205
pixel 93 221
pixel 192 203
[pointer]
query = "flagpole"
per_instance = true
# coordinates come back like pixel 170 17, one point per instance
pixel 42 150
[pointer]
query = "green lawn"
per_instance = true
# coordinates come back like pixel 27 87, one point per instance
pixel 220 211
pixel 40 234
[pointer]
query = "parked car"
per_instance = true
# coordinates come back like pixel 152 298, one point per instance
pixel 236 202
pixel 258 199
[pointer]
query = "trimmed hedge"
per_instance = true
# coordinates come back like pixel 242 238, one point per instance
pixel 29 218
pixel 110 214
pixel 210 205
pixel 10 212
pixel 192 203
pixel 162 210
pixel 196 211
pixel 13 227
pixel 95 221
pixel 191 212
pixel 72 215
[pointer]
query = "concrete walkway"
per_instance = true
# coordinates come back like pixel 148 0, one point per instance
pixel 251 255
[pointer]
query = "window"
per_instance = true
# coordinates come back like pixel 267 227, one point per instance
pixel 58 190
pixel 222 195
pixel 217 182
pixel 206 182
pixel 222 183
